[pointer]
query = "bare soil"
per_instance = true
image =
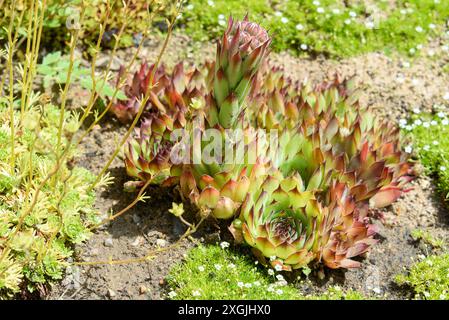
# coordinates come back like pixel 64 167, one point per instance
pixel 149 225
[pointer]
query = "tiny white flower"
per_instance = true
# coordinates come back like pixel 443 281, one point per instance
pixel 348 21
pixel 446 96
pixel 221 17
pixel 416 110
pixel 231 266
pixel 402 123
pixel 316 3
pixel 418 122
pixel 270 289
pixel 442 168
pixel 403 11
pixel 369 25
pixel 320 10
pixel 419 46
pixel 304 46
pixel 431 53
pixel 190 7
pixel 299 27
pixel 248 285
pixel 406 64
pixel 426 294
pixel 442 296
pixel 280 277
pixel 196 293
pixel 217 266
pixel 278 267
pixel 410 10
pixel 224 244
pixel 377 290
pixel 201 268
pixel 445 122
pixel 284 20
pixel 221 22
pixel 211 3
pixel 426 124
pixel 336 11
pixel 256 283
pixel 433 123
pixel 445 48
pixel 270 272
pixel 272 258
pixel 278 14
pixel 240 284
pixel 352 14
pixel 409 128
pixel 415 82
pixel 400 78
pixel 435 143
pixel 279 291
pixel 436 1
pixel 408 149
pixel 172 294
pixel 426 147
pixel 440 114
pixel 282 283
pixel 432 26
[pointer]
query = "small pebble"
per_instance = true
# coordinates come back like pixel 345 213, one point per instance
pixel 161 242
pixel 136 219
pixel 108 242
pixel 111 293
pixel 143 289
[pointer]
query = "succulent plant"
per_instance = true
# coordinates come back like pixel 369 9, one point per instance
pixel 218 187
pixel 147 155
pixel 170 94
pixel 239 55
pixel 304 199
pixel 148 158
pixel 282 222
pixel 348 232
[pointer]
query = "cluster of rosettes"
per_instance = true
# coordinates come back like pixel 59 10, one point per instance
pixel 307 198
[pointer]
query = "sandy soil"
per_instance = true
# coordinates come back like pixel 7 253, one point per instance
pixel 391 88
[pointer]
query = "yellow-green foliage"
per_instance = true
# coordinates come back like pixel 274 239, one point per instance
pixel 61 15
pixel 35 244
pixel 429 278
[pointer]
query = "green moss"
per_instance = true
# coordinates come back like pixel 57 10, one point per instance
pixel 428 278
pixel 427 238
pixel 338 31
pixel 212 272
pixel 428 134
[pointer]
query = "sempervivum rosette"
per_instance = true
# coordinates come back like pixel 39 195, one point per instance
pixel 282 222
pixel 347 228
pixel 218 187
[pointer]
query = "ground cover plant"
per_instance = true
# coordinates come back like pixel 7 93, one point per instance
pixel 217 272
pixel 429 142
pixel 428 278
pixel 338 28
